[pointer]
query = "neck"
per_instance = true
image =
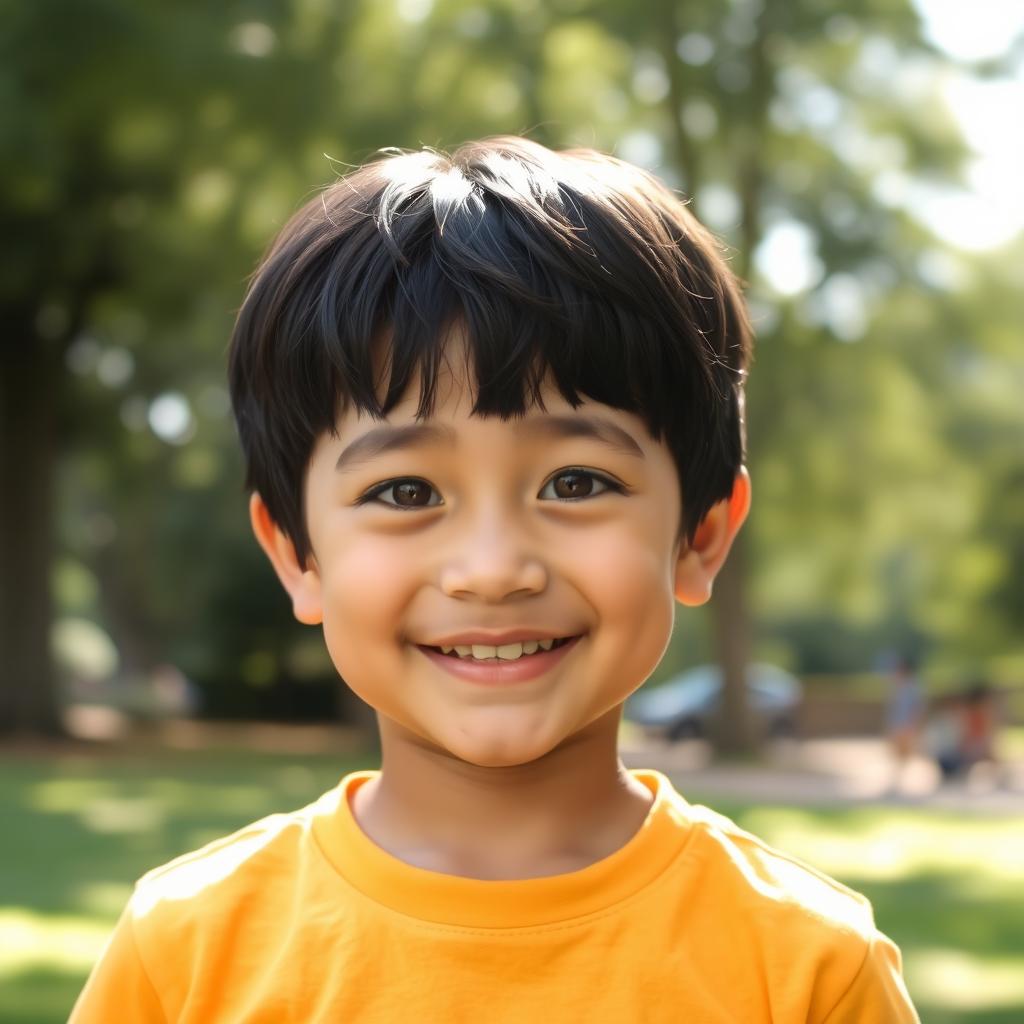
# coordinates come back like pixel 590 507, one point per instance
pixel 559 813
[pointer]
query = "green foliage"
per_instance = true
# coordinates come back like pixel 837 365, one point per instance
pixel 155 149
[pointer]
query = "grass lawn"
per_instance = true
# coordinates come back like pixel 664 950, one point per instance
pixel 78 829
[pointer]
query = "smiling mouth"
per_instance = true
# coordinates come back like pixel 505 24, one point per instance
pixel 503 652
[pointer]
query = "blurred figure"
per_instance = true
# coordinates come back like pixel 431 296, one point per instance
pixel 961 731
pixel 174 695
pixel 944 734
pixel 979 725
pixel 904 713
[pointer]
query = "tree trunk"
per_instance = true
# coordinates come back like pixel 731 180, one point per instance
pixel 29 379
pixel 684 153
pixel 736 733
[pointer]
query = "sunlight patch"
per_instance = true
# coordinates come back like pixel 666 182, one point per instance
pixel 122 815
pixel 954 979
pixel 98 806
pixel 892 848
pixel 69 944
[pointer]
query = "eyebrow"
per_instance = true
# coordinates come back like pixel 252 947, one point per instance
pixel 594 428
pixel 392 439
pixel 387 438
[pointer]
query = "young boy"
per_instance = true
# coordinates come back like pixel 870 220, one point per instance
pixel 492 410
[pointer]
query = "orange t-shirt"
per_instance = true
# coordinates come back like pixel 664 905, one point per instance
pixel 301 918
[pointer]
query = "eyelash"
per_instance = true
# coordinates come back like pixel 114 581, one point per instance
pixel 374 493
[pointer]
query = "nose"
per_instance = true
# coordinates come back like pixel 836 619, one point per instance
pixel 493 561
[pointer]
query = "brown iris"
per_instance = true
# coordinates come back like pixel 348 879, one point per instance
pixel 411 493
pixel 573 485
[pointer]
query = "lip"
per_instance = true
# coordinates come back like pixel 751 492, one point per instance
pixel 496 672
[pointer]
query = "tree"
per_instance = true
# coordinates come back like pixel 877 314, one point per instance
pixel 152 153
pixel 117 113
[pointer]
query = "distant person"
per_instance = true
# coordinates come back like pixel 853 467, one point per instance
pixel 491 406
pixel 961 730
pixel 979 725
pixel 905 711
pixel 944 735
pixel 174 694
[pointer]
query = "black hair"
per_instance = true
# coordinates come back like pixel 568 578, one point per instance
pixel 571 266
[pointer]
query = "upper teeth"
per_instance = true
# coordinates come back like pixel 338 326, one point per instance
pixel 506 652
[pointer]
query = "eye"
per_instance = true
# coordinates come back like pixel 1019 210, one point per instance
pixel 574 484
pixel 408 492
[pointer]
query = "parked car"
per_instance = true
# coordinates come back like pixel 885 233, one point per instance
pixel 683 707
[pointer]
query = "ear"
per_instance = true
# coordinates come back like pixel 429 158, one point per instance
pixel 302 584
pixel 699 562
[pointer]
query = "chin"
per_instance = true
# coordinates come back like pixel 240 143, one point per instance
pixel 506 754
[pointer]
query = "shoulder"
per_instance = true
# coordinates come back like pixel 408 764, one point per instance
pixel 778 884
pixel 255 867
pixel 195 927
pixel 812 939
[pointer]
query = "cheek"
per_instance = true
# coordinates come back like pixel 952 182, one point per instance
pixel 628 580
pixel 640 609
pixel 365 587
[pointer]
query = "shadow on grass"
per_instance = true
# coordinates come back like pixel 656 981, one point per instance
pixel 38 995
pixel 931 1014
pixel 934 910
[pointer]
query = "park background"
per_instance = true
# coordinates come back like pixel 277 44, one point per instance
pixel 863 161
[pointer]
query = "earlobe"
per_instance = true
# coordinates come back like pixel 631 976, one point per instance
pixel 699 562
pixel 301 583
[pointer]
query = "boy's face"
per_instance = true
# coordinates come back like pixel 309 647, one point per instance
pixel 461 530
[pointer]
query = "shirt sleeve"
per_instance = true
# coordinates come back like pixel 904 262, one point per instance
pixel 119 987
pixel 878 992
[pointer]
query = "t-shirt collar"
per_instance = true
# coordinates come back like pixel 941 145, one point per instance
pixel 519 903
